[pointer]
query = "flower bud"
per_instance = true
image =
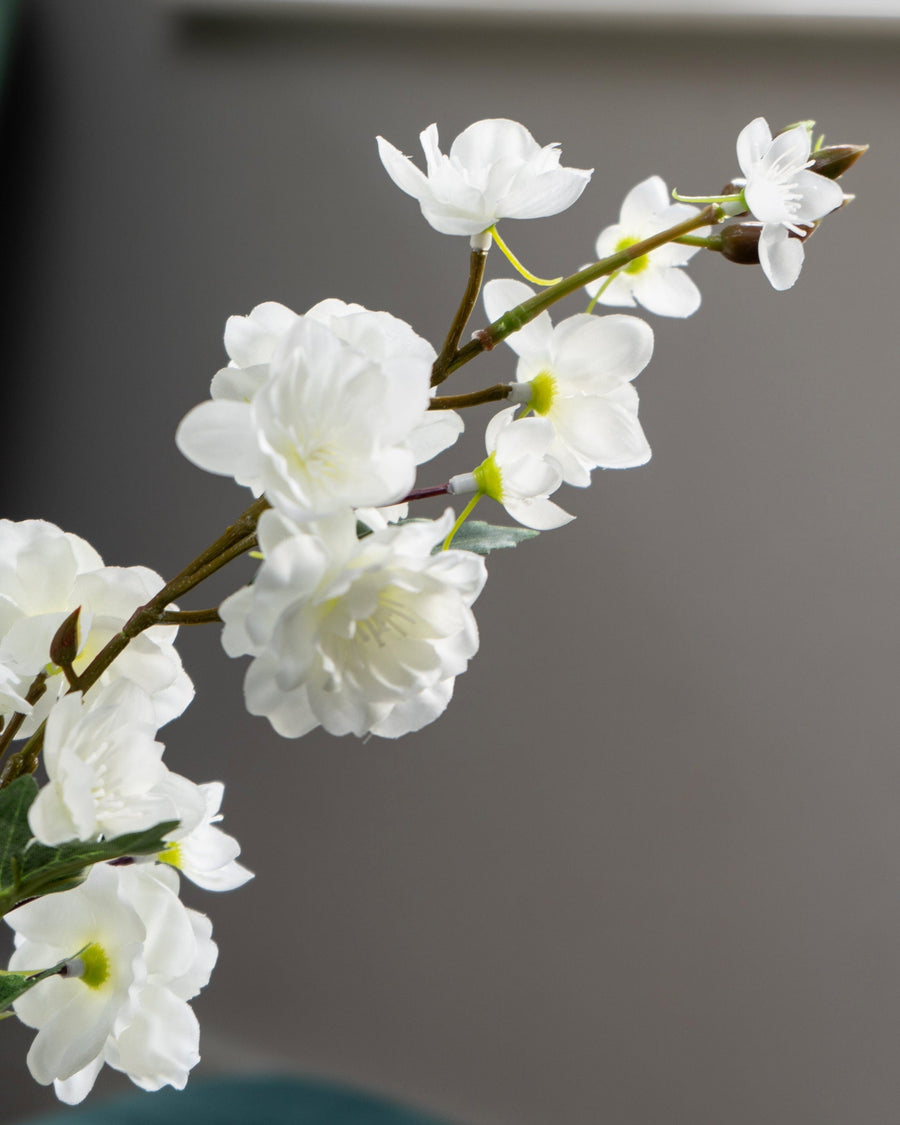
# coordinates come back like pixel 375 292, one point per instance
pixel 65 643
pixel 740 240
pixel 835 160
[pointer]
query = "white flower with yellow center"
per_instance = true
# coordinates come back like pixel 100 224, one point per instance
pixel 105 771
pixel 578 376
pixel 495 170
pixel 205 854
pixel 517 472
pixel 142 956
pixel 357 636
pixel 656 280
pixel 781 191
pixel 328 429
pixel 45 574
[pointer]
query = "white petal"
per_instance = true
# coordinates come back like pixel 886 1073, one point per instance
pixel 780 256
pixel 788 150
pixel 667 291
pixel 596 351
pixel 752 143
pixel 767 200
pixel 542 515
pixel 160 1045
pixel 437 431
pixel 402 171
pixel 217 436
pixel 73 1090
pixel 526 438
pixel 819 196
pixel 645 200
pixel 488 141
pixel 547 194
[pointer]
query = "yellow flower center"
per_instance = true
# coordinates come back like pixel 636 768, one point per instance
pixel 171 854
pixel 639 264
pixel 489 479
pixel 96 966
pixel 543 389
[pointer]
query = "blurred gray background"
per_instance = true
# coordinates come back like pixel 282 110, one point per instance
pixel 646 869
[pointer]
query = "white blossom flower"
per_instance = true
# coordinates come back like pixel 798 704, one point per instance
pixel 495 170
pixel 105 771
pixel 578 376
pixel 656 280
pixel 781 191
pixel 251 342
pixel 518 471
pixel 354 635
pixel 144 956
pixel 329 428
pixel 205 854
pixel 45 574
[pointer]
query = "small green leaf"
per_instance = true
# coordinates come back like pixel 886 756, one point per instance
pixel 482 538
pixel 14 985
pixel 41 870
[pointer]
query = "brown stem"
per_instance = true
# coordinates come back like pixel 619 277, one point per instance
pixel 34 693
pixel 189 617
pixel 146 616
pixel 426 493
pixel 497 393
pixel 516 318
pixel 441 368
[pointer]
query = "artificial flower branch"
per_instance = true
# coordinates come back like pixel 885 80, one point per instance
pixel 511 321
pixel 356 621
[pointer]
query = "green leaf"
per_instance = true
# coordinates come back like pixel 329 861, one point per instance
pixel 15 800
pixel 27 871
pixel 482 538
pixel 13 985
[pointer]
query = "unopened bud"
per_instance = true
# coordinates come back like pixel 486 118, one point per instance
pixel 835 160
pixel 65 644
pixel 740 240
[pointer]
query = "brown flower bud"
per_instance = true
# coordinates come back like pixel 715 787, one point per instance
pixel 740 240
pixel 65 643
pixel 835 160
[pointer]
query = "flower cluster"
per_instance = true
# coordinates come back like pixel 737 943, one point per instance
pixel 139 954
pixel 360 616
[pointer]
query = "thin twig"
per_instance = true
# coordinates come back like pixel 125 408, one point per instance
pixel 517 318
pixel 497 393
pixel 441 368
pixel 34 693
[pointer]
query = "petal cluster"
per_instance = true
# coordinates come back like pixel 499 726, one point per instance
pixel 494 170
pixel 357 636
pixel 658 280
pixel 105 771
pixel 319 412
pixel 577 376
pixel 144 955
pixel 45 574
pixel 781 191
